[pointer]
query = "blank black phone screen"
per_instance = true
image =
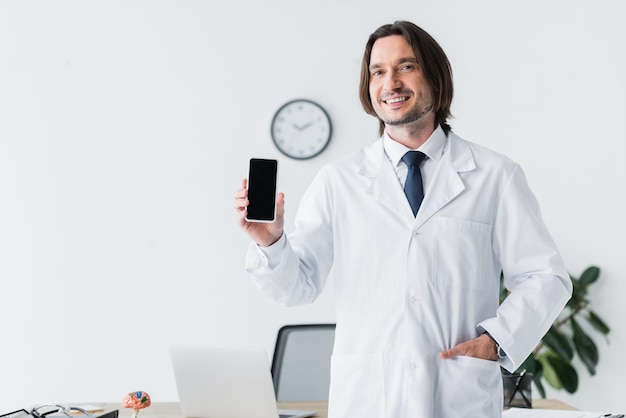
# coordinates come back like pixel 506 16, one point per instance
pixel 262 189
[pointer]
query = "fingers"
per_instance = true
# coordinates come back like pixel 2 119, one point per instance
pixel 241 197
pixel 263 234
pixel 457 350
pixel 280 206
pixel 241 203
pixel 482 347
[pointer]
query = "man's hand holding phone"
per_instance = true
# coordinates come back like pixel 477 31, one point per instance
pixel 260 209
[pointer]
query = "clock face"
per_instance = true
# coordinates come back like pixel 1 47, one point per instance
pixel 301 129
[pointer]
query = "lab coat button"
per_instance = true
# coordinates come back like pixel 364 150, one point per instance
pixel 412 299
pixel 413 366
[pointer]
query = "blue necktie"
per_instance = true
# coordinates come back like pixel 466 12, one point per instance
pixel 413 188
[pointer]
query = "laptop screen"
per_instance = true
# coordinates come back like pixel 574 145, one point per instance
pixel 225 383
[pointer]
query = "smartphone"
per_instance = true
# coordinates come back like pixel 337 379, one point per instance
pixel 262 177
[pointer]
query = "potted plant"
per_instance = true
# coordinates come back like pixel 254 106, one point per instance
pixel 552 359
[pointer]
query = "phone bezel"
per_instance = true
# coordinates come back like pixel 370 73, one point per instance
pixel 275 161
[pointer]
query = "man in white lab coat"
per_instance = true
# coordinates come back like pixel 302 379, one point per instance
pixel 420 332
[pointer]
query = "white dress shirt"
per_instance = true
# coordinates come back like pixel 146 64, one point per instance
pixel 434 148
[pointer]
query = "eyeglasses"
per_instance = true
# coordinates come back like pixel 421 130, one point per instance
pixel 20 413
pixel 55 410
pixel 42 411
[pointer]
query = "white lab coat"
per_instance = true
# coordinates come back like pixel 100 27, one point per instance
pixel 409 287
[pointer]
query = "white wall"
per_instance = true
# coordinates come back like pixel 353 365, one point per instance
pixel 125 127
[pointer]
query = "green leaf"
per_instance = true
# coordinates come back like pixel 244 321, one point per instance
pixel 585 347
pixel 559 344
pixel 579 293
pixel 573 303
pixel 589 276
pixel 503 290
pixel 597 323
pixel 549 374
pixel 537 375
pixel 566 373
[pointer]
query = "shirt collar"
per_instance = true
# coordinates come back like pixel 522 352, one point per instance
pixel 433 147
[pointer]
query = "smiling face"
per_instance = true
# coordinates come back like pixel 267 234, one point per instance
pixel 400 94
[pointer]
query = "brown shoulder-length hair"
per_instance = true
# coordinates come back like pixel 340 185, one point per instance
pixel 431 59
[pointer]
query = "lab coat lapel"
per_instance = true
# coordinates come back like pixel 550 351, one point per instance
pixel 384 185
pixel 447 184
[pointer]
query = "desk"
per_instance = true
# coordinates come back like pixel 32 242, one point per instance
pixel 551 404
pixel 172 410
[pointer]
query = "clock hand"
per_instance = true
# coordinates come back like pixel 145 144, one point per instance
pixel 306 125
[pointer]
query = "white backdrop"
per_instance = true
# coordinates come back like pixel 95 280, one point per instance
pixel 125 128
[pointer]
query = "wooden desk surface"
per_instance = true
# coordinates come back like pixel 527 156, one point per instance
pixel 172 410
pixel 551 404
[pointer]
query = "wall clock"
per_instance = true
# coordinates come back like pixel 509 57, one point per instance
pixel 301 129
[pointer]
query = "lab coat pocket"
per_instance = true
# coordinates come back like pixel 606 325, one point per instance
pixel 470 384
pixel 357 386
pixel 461 252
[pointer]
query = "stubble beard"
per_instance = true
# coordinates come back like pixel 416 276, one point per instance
pixel 415 117
pixel 416 114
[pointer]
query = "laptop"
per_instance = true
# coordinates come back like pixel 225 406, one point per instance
pixel 226 383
